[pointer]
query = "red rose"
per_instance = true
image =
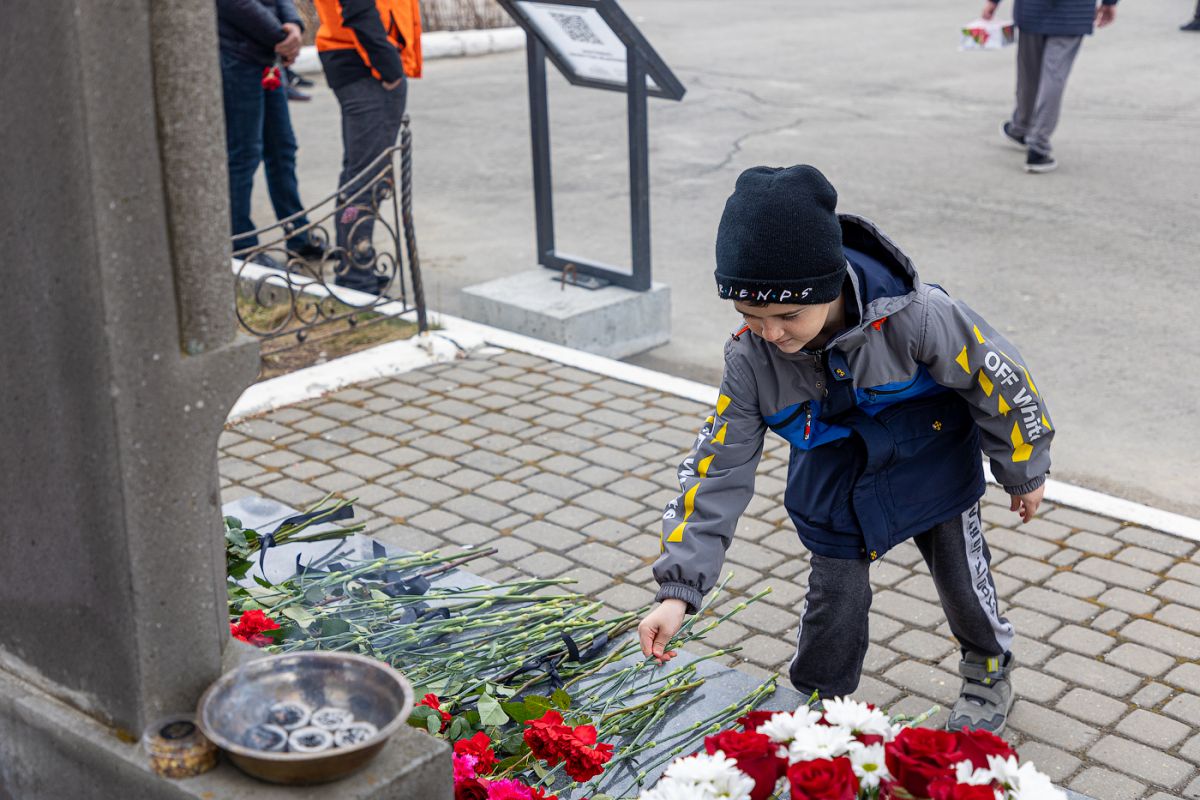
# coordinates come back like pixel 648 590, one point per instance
pixel 920 755
pixel 755 720
pixel 473 789
pixel 480 746
pixel 823 779
pixel 755 756
pixel 978 745
pixel 950 789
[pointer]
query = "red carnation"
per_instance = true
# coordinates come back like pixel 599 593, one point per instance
pixel 480 746
pixel 585 763
pixel 823 779
pixel 950 789
pixel 271 78
pixel 978 745
pixel 432 701
pixel 251 627
pixel 545 737
pixel 554 742
pixel 755 756
pixel 918 756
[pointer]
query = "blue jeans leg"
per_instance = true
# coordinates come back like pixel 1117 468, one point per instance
pixel 279 159
pixel 241 84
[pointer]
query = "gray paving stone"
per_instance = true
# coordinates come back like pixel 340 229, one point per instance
pixel 435 521
pixel 606 559
pixel 922 645
pixel 1179 592
pixel 435 468
pixel 1056 763
pixel 1160 637
pixel 339 482
pixel 501 490
pixel 489 462
pixel 1036 686
pixel 408 538
pixel 608 504
pixel 1032 623
pixel 1051 726
pixel 314 425
pixel 1188 573
pixel 466 479
pixel 401 508
pixel 1091 707
pixel 1090 542
pixel 510 548
pixel 476 509
pixel 362 465
pixel 249 449
pixel 535 504
pixel 908 609
pixel 276 459
pixel 1080 520
pixel 1075 585
pixel 555 485
pixel 1020 543
pixel 1145 559
pixel 1082 640
pixel 1178 616
pixel 762 616
pixel 1185 676
pixel 262 429
pixel 1027 569
pixel 1185 707
pixel 470 535
pixel 306 470
pixel 545 565
pixel 1110 620
pixel 1164 543
pixel 1120 574
pixel 1151 695
pixel 1060 605
pixel 1143 660
pixel 1191 750
pixel 1104 784
pixel 1128 600
pixel 236 469
pixel 553 537
pixel 572 517
pixel 1066 557
pixel 1045 529
pixel 1083 671
pixel 925 680
pixel 771 652
pixel 1153 729
pixel 291 493
pixel 1141 761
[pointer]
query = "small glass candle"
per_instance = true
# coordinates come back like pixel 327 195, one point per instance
pixel 177 748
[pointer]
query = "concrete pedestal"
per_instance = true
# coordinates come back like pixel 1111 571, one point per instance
pixel 611 322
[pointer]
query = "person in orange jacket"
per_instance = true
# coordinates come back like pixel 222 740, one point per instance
pixel 368 49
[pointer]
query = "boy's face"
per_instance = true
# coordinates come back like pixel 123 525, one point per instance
pixel 791 328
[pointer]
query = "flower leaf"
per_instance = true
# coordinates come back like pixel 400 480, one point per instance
pixel 490 712
pixel 561 699
pixel 433 724
pixel 519 712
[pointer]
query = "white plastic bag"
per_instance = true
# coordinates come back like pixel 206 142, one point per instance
pixel 987 34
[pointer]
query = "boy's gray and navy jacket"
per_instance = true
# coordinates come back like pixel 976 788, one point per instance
pixel 886 423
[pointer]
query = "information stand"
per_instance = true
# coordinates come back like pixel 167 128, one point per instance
pixel 594 44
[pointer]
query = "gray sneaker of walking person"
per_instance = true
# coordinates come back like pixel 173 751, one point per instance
pixel 986 696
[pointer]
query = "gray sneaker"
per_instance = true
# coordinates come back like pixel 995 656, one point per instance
pixel 986 696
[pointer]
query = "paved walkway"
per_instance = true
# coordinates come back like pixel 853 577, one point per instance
pixel 566 472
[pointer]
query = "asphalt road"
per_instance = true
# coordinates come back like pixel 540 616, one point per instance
pixel 1091 270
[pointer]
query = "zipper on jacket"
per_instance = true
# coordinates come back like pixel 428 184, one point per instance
pixel 807 421
pixel 873 393
pixel 805 408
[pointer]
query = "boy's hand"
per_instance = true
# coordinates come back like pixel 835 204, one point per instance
pixel 1105 15
pixel 1024 504
pixel 989 9
pixel 659 626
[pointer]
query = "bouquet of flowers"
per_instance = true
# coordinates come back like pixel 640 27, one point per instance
pixel 850 751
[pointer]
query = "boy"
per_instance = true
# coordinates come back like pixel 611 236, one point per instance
pixel 886 389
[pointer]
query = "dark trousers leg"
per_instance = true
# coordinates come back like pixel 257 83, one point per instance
pixel 241 85
pixel 832 641
pixel 279 158
pixel 959 559
pixel 371 118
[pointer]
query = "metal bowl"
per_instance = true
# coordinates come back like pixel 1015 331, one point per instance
pixel 239 700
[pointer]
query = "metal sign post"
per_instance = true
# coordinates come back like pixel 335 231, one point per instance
pixel 594 44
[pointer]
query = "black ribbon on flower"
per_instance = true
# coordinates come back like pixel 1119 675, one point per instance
pixel 268 541
pixel 549 662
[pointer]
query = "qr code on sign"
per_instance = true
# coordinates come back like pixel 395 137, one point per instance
pixel 576 27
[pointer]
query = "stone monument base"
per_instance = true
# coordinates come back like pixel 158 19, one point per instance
pixel 612 321
pixel 50 751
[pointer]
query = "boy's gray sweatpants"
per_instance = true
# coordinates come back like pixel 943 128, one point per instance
pixel 1043 64
pixel 832 641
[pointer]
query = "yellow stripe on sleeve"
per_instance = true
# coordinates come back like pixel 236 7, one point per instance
pixel 1004 407
pixel 978 335
pixel 963 361
pixel 722 404
pixel 1021 450
pixel 986 384
pixel 720 437
pixel 705 463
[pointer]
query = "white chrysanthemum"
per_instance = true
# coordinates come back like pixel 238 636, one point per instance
pixel 705 777
pixel 857 717
pixel 1023 781
pixel 869 766
pixel 965 772
pixel 667 789
pixel 820 741
pixel 781 728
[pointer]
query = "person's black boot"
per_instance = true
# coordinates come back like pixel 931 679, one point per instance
pixel 1006 130
pixel 1194 25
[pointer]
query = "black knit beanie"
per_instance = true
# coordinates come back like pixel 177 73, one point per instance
pixel 779 240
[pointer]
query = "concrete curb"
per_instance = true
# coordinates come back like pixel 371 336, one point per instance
pixel 459 336
pixel 440 44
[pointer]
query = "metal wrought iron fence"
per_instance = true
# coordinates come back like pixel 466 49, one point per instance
pixel 363 230
pixel 462 15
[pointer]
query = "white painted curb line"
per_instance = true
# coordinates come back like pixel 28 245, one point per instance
pixel 460 336
pixel 440 44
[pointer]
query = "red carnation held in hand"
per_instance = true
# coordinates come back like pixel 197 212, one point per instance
pixel 271 78
pixel 822 779
pixel 755 756
pixel 918 756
